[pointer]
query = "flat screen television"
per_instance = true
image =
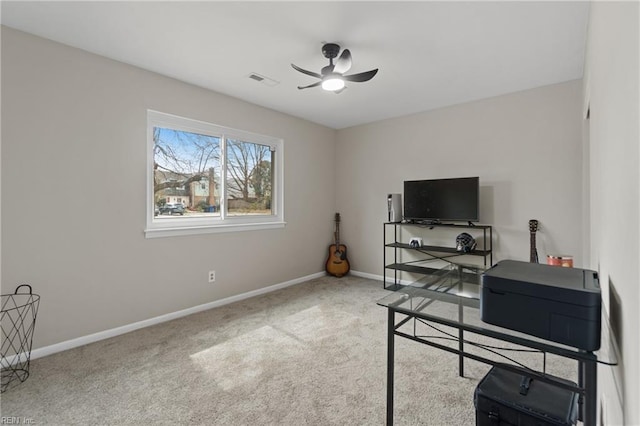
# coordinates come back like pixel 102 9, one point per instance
pixel 437 200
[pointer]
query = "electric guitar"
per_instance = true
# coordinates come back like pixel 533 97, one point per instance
pixel 533 228
pixel 337 263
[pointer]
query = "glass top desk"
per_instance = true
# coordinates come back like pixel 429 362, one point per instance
pixel 449 299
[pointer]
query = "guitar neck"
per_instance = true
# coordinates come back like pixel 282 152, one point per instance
pixel 533 255
pixel 336 234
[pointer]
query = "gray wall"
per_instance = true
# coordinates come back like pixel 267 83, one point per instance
pixel 525 147
pixel 74 191
pixel 612 90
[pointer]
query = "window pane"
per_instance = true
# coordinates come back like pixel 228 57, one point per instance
pixel 249 178
pixel 186 174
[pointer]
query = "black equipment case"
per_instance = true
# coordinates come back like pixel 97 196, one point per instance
pixel 506 398
pixel 552 302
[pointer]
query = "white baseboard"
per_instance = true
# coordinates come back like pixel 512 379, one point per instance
pixel 366 275
pixel 91 338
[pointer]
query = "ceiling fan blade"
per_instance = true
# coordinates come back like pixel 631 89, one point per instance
pixel 343 64
pixel 303 71
pixel 359 78
pixel 311 85
pixel 340 91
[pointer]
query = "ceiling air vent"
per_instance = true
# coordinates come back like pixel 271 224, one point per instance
pixel 264 80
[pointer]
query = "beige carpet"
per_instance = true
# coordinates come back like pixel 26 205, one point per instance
pixel 311 354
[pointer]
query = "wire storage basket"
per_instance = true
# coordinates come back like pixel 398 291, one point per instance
pixel 18 321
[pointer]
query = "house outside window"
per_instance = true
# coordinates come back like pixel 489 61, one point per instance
pixel 224 179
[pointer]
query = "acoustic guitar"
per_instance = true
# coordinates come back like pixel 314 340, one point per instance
pixel 533 228
pixel 337 263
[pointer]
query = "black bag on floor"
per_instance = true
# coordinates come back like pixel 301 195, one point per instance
pixel 506 398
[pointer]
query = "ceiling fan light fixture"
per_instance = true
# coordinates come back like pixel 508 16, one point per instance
pixel 332 77
pixel 332 84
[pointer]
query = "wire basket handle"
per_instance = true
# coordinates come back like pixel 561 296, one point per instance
pixel 23 285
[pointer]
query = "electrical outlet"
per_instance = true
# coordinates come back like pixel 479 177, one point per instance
pixel 212 276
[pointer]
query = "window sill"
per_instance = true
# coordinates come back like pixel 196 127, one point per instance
pixel 210 229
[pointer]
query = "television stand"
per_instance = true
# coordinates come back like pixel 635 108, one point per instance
pixel 438 248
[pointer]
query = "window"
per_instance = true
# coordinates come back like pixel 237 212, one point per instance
pixel 205 178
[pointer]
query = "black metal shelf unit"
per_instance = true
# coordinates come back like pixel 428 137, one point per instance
pixel 426 254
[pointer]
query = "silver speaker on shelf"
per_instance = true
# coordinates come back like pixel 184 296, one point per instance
pixel 394 207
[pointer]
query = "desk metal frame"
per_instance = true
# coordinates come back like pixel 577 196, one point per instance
pixel 587 361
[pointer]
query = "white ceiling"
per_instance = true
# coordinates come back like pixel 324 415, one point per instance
pixel 430 54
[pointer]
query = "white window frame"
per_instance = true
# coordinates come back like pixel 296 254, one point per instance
pixel 225 223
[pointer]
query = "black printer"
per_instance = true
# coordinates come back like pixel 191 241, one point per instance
pixel 552 302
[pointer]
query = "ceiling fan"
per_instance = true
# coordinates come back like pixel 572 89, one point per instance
pixel 332 76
